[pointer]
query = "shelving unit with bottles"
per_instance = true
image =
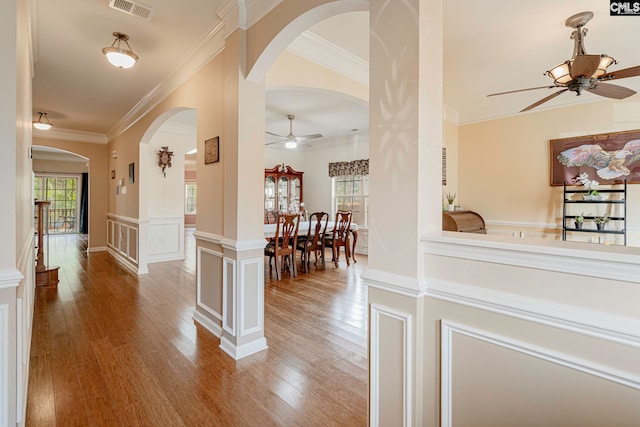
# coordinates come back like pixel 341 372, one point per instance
pixel 614 198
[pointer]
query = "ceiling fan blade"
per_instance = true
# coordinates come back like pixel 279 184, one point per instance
pixel 305 137
pixel 271 143
pixel 622 74
pixel 543 100
pixel 584 65
pixel 612 91
pixel 522 90
pixel 275 134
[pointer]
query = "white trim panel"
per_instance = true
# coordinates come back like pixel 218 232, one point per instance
pixel 377 312
pixel 446 353
pixel 614 264
pixel 165 238
pixel 258 296
pixel 199 301
pixel 4 365
pixel 10 278
pixel 601 325
pixel 229 292
pixel 391 282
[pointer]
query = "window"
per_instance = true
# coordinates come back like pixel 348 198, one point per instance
pixel 62 192
pixel 351 192
pixel 190 198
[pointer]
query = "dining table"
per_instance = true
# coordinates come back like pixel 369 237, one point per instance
pixel 303 229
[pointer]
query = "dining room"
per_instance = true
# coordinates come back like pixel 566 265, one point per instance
pixel 325 170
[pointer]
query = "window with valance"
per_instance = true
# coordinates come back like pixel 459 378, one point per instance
pixel 350 181
pixel 355 167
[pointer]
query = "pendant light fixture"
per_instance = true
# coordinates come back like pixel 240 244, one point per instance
pixel 118 55
pixel 43 122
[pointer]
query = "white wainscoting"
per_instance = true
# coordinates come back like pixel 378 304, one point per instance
pixel 362 245
pixel 165 239
pixel 208 305
pixel 449 329
pixel 251 289
pixel 4 365
pixel 378 314
pixel 123 242
pixel 229 296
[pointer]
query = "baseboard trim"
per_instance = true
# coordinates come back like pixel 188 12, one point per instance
pixel 125 263
pixel 238 352
pixel 97 249
pixel 207 323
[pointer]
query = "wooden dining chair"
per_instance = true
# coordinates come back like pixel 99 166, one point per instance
pixel 270 217
pixel 283 247
pixel 340 237
pixel 313 242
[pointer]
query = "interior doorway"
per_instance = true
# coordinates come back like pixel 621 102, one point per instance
pixel 65 192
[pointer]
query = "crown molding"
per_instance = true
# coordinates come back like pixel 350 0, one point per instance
pixel 321 51
pixel 71 135
pixel 255 10
pixel 207 48
pixel 233 15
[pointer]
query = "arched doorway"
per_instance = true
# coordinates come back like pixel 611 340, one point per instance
pixel 162 192
pixel 62 178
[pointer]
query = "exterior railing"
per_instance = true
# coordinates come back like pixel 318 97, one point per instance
pixel 62 221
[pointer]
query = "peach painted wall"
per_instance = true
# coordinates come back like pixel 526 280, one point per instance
pixel 99 177
pixel 204 93
pixel 504 164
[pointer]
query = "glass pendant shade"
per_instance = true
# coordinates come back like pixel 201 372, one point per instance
pixel 119 56
pixel 605 62
pixel 560 73
pixel 43 122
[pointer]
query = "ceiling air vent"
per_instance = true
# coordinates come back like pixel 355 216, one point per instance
pixel 132 8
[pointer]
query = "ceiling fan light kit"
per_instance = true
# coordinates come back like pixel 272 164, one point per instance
pixel 117 54
pixel 583 71
pixel 291 140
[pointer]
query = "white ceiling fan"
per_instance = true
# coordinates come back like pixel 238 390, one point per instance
pixel 291 140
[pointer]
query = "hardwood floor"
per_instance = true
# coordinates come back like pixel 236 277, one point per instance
pixel 110 348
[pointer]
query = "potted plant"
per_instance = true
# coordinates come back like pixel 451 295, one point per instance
pixel 601 221
pixel 450 199
pixel 579 219
pixel 591 186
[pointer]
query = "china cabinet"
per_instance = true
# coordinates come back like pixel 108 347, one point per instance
pixel 282 189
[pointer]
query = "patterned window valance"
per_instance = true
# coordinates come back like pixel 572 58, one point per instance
pixel 356 167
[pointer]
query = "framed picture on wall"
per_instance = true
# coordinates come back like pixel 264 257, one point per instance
pixel 132 175
pixel 212 150
pixel 609 158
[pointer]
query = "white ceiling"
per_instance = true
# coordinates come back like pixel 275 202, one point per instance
pixel 490 46
pixel 500 45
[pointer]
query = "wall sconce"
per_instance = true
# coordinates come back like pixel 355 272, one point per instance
pixel 114 154
pixel 164 159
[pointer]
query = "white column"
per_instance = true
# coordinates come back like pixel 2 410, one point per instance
pixel 242 151
pixel 405 141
